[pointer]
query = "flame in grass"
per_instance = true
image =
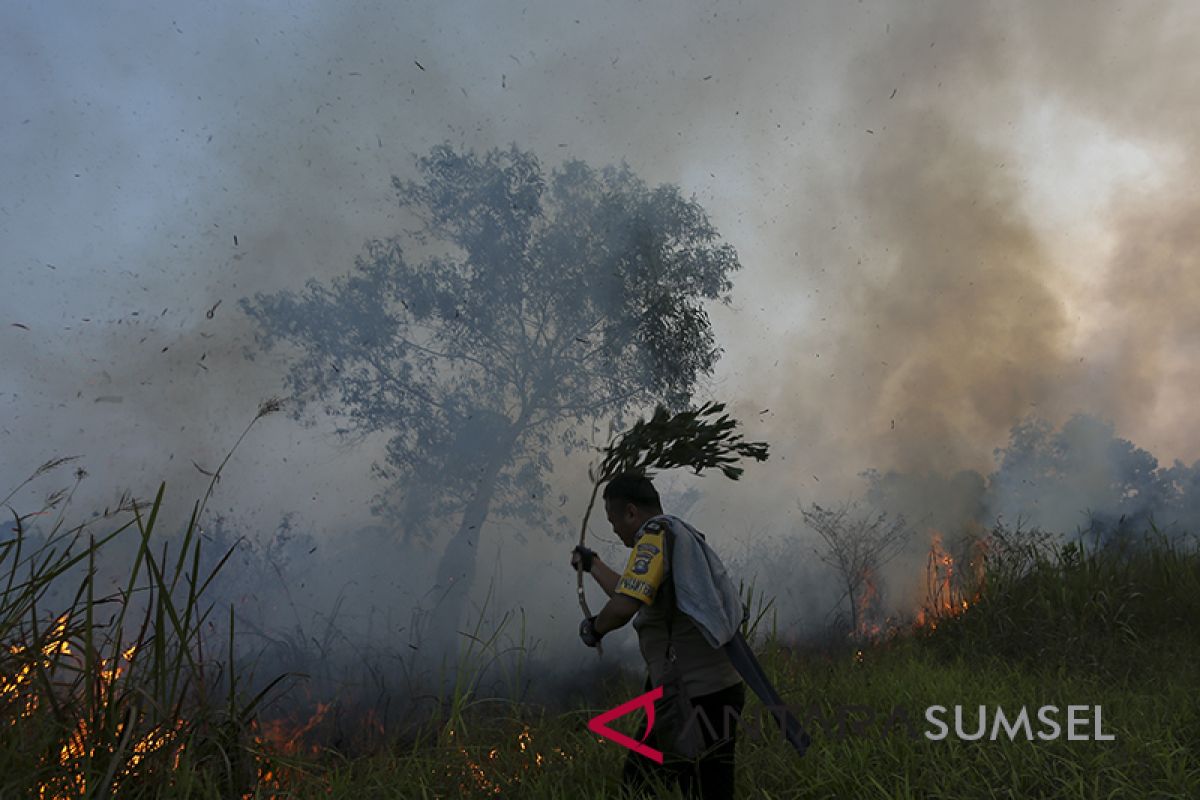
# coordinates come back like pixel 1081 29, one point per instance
pixel 75 749
pixel 86 715
pixel 54 658
pixel 19 687
pixel 867 608
pixel 277 740
pixel 286 737
pixel 950 589
pixel 945 581
pixel 272 739
pixel 499 771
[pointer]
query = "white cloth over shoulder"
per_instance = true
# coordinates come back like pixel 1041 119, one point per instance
pixel 703 589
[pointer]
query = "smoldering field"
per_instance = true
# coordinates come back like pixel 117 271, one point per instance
pixel 363 650
pixel 959 228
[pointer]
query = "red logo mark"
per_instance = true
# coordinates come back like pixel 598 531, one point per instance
pixel 599 724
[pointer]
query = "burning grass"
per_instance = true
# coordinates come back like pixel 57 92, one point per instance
pixel 1040 626
pixel 115 696
pixel 855 754
pixel 112 693
pixel 1099 606
pixel 118 694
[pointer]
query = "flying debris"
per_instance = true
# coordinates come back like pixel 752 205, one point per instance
pixel 418 63
pixel 213 310
pixel 235 241
pixel 20 325
pixel 109 398
pixel 203 471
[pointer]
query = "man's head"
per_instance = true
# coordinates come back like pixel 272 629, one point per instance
pixel 629 500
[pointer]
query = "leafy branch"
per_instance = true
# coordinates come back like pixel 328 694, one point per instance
pixel 700 439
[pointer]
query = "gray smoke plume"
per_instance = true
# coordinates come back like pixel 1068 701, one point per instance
pixel 951 218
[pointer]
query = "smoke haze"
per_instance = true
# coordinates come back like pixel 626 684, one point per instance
pixel 950 218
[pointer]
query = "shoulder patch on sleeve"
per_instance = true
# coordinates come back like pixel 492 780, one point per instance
pixel 646 568
pixel 653 526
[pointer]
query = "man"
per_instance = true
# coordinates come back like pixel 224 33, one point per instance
pixel 645 592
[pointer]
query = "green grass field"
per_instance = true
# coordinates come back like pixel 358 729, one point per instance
pixel 145 707
pixel 1152 712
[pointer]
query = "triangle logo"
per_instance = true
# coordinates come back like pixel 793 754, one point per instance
pixel 599 724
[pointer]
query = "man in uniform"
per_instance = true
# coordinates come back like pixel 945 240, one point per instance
pixel 644 592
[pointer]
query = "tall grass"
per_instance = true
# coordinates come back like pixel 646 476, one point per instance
pixel 120 693
pixel 1049 623
pixel 1048 603
pixel 111 693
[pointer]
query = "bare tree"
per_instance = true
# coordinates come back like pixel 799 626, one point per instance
pixel 857 544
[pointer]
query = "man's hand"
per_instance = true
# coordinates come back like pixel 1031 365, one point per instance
pixel 582 556
pixel 587 632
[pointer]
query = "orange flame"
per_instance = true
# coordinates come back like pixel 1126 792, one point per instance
pixel 867 608
pixel 78 744
pixel 486 776
pixel 944 592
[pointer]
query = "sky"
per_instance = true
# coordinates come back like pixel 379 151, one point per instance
pixel 949 216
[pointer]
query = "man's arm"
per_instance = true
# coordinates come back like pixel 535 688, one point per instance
pixel 627 591
pixel 616 612
pixel 605 576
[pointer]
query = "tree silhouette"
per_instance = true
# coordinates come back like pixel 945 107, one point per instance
pixel 525 306
pixel 856 544
pixel 1080 473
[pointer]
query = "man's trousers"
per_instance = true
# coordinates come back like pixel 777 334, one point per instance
pixel 707 778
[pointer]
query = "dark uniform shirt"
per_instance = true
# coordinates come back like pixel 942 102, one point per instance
pixel 647 578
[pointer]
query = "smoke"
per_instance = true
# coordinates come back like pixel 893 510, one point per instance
pixel 951 218
pixel 996 238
